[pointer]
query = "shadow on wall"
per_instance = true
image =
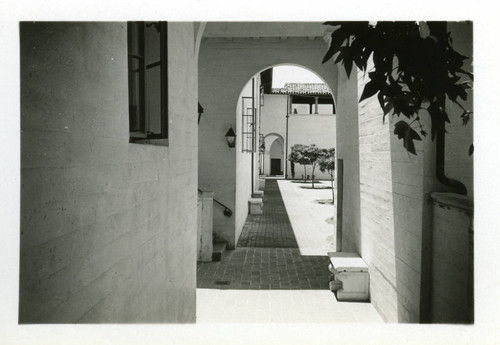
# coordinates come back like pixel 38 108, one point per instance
pixel 407 203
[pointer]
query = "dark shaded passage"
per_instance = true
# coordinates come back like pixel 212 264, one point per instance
pixel 265 268
pixel 272 229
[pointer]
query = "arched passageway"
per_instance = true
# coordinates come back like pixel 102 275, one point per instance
pixel 225 66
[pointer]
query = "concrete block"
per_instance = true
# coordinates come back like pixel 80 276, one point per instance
pixel 255 206
pixel 262 183
pixel 352 280
pixel 258 194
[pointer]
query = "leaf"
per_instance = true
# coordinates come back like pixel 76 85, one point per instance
pixel 423 29
pixel 338 38
pixel 381 101
pixel 408 134
pixel 348 67
pixel 471 149
pixel 469 74
pixel 388 107
pixel 466 116
pixel 369 90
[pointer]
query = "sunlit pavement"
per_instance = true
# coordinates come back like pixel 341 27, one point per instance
pixel 311 221
pixel 262 306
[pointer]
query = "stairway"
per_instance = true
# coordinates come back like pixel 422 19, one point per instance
pixel 218 249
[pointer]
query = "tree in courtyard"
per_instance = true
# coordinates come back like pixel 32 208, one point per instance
pixel 414 68
pixel 326 163
pixel 297 156
pixel 311 154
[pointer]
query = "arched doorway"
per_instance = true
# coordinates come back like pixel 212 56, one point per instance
pixel 276 143
pixel 276 158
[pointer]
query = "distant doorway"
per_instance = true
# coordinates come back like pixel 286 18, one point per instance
pixel 276 166
pixel 276 158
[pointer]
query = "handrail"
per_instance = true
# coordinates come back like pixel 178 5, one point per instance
pixel 227 210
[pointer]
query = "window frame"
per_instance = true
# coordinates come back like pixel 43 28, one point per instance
pixel 143 136
pixel 248 130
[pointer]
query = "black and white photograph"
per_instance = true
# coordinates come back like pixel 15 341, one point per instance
pixel 279 178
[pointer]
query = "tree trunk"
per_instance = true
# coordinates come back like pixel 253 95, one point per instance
pixel 312 176
pixel 333 194
pixel 305 176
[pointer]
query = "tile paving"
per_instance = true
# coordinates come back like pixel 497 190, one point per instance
pixel 272 229
pixel 265 268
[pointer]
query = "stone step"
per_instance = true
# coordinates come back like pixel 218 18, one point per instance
pixel 219 248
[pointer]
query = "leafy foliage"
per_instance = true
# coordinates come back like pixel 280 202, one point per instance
pixel 311 154
pixel 296 154
pixel 305 155
pixel 414 68
pixel 326 161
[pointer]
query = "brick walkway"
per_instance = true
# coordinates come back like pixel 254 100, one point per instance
pixel 267 255
pixel 272 229
pixel 265 268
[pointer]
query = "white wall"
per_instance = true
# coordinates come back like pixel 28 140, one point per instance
pixel 108 228
pixel 311 129
pixel 243 166
pixel 393 185
pixel 273 119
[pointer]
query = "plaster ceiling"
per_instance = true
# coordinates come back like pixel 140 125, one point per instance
pixel 265 29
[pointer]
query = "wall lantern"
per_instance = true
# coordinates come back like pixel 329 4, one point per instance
pixel 200 111
pixel 231 137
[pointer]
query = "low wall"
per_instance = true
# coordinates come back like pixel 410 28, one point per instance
pixel 205 226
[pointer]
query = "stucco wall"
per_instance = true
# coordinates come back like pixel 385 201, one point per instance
pixel 108 228
pixel 311 129
pixel 243 170
pixel 458 163
pixel 273 126
pixel 452 259
pixel 225 66
pixel 393 185
pixel 395 214
pixel 348 150
pixel 273 118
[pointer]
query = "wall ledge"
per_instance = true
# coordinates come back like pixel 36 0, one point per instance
pixel 458 201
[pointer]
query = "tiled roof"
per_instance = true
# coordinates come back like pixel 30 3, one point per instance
pixel 302 89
